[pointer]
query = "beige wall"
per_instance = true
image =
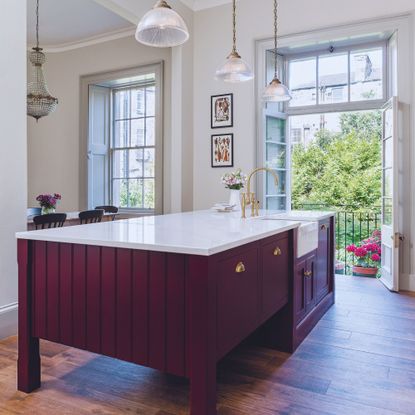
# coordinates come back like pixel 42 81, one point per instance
pixel 54 142
pixel 13 170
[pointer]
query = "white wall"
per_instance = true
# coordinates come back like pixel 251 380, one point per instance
pixel 13 171
pixel 54 163
pixel 212 43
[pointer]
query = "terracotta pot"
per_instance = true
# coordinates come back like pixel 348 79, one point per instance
pixel 364 271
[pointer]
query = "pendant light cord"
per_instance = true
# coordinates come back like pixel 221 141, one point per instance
pixel 37 24
pixel 276 37
pixel 234 26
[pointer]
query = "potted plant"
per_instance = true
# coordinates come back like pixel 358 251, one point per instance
pixel 368 254
pixel 234 181
pixel 48 202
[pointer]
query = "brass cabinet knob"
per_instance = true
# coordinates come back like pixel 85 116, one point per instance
pixel 277 251
pixel 240 268
pixel 308 274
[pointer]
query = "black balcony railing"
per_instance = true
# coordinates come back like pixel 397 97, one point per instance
pixel 352 226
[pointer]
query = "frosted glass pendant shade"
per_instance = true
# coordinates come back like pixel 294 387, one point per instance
pixel 162 27
pixel 40 102
pixel 276 92
pixel 234 70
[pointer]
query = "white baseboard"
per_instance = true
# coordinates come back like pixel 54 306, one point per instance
pixel 407 282
pixel 8 320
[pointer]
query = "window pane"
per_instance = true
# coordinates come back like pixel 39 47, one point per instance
pixel 137 133
pixel 149 194
pixel 149 162
pixel 121 104
pixel 333 78
pixel 271 188
pixel 387 183
pixel 387 211
pixel 387 152
pixel 302 82
pixel 150 101
pixel 276 203
pixel 121 134
pixel 275 156
pixel 275 130
pixel 366 74
pixel 128 163
pixel 128 193
pixel 150 132
pixel 137 102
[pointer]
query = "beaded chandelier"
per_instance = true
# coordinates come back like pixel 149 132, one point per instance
pixel 40 102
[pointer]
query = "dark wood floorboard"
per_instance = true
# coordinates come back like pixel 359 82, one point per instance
pixel 360 359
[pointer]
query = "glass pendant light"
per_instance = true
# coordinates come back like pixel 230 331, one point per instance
pixel 40 102
pixel 235 69
pixel 276 91
pixel 162 27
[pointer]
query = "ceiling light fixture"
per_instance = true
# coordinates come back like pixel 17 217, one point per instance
pixel 235 69
pixel 276 91
pixel 162 27
pixel 40 102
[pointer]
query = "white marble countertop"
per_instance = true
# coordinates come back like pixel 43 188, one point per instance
pixel 196 233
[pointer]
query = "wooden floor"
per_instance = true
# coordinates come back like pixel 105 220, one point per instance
pixel 360 359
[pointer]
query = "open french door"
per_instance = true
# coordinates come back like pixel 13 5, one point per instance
pixel 391 237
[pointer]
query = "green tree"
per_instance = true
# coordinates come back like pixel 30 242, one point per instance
pixel 342 168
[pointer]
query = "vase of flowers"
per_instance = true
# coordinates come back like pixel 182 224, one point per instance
pixel 48 202
pixel 368 254
pixel 234 181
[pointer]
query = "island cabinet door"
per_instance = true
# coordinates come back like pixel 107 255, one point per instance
pixel 237 298
pixel 275 256
pixel 304 286
pixel 300 289
pixel 323 261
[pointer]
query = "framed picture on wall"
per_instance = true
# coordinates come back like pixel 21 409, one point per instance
pixel 222 150
pixel 222 111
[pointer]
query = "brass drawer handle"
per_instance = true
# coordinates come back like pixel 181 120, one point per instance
pixel 240 268
pixel 308 274
pixel 277 251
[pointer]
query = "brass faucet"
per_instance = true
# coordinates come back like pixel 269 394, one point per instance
pixel 250 198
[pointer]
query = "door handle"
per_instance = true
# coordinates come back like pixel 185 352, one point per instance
pixel 308 274
pixel 323 227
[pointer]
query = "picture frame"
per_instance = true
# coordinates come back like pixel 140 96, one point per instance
pixel 222 153
pixel 221 111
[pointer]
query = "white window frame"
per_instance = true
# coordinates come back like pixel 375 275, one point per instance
pixel 156 146
pixel 341 106
pixel 262 47
pixel 111 80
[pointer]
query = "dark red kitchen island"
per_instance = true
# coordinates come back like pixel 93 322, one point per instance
pixel 175 293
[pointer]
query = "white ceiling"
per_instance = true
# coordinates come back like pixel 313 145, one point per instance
pixel 204 4
pixel 69 23
pixel 64 22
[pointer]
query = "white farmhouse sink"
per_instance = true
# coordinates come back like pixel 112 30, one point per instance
pixel 307 236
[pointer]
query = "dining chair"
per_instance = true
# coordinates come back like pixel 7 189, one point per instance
pixel 51 220
pixel 109 209
pixel 91 216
